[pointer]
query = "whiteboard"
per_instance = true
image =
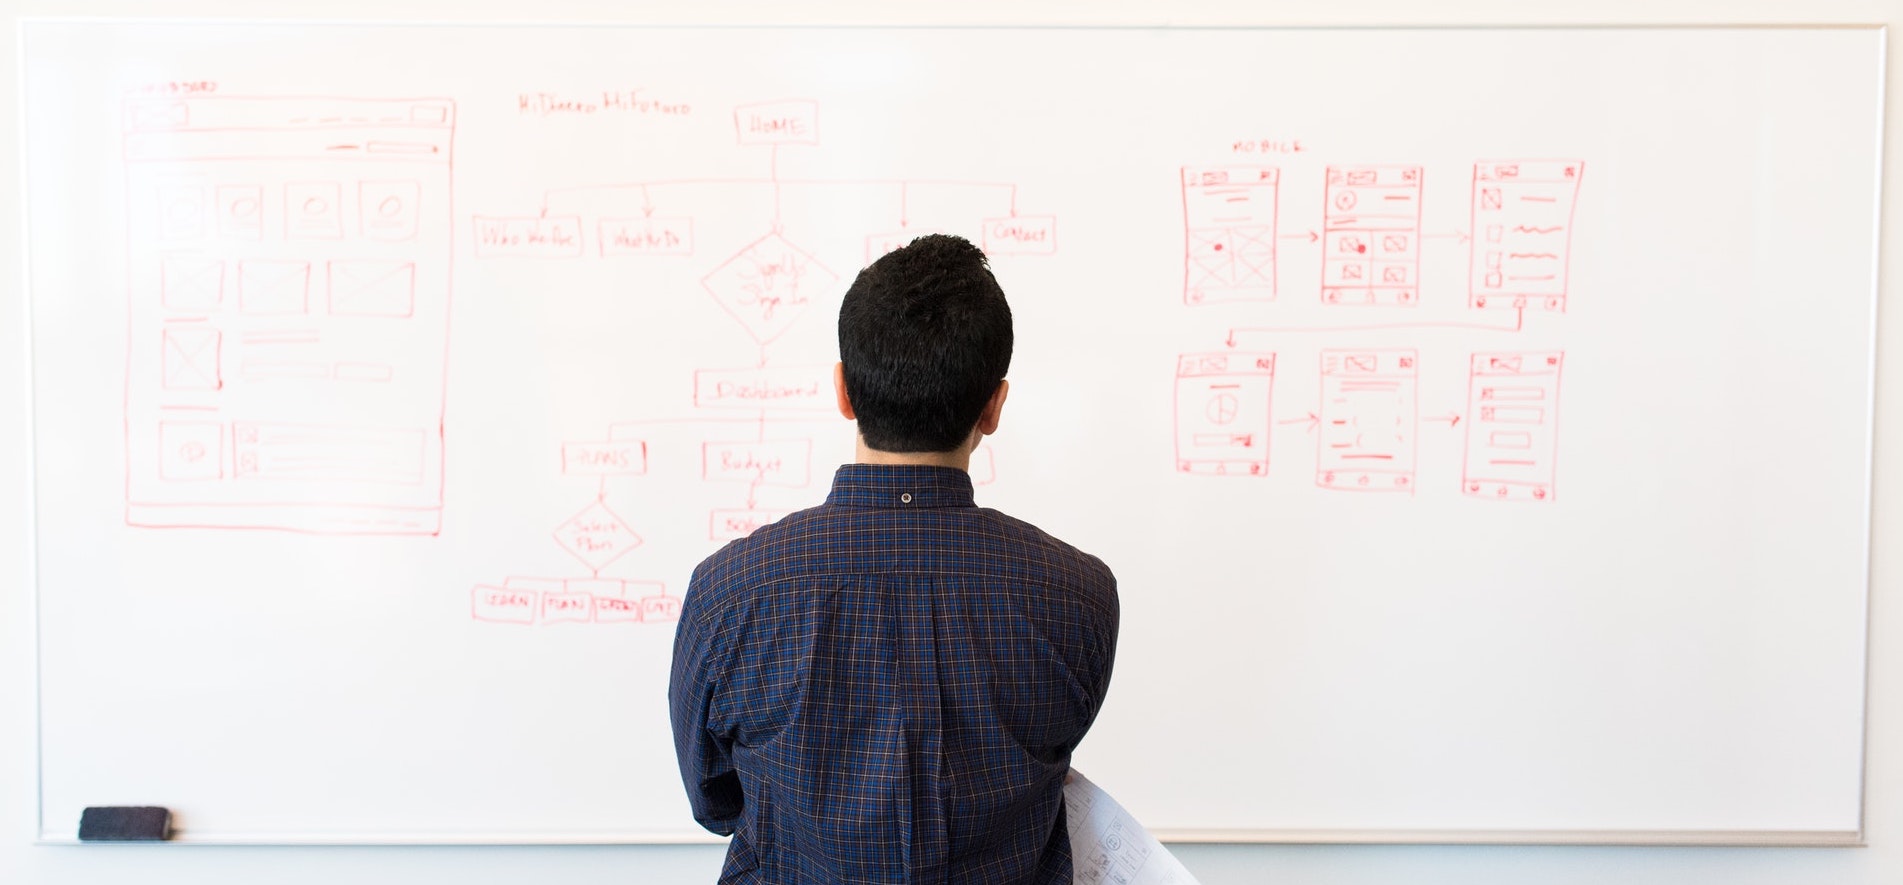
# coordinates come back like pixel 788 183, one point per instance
pixel 389 380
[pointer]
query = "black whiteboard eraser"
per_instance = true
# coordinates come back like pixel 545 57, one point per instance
pixel 125 823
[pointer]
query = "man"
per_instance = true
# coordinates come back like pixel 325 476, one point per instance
pixel 887 687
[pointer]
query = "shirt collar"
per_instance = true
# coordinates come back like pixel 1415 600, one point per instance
pixel 900 485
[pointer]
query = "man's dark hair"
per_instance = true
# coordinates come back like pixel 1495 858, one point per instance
pixel 925 336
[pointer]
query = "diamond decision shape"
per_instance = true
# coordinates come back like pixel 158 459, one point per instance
pixel 767 285
pixel 596 536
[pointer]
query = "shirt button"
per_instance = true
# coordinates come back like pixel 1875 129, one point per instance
pixel 905 498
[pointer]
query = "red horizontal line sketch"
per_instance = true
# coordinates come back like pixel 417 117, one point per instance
pixel 767 285
pixel 1523 228
pixel 769 181
pixel 260 370
pixel 347 518
pixel 1222 413
pixel 793 121
pixel 597 536
pixel 1512 426
pixel 1020 235
pixel 1371 235
pixel 328 453
pixel 140 148
pixel 774 181
pixel 791 388
pixel 1368 421
pixel 534 237
pixel 274 113
pixel 729 525
pixel 525 600
pixel 273 130
pixel 615 458
pixel 645 236
pixel 395 147
pixel 1229 233
pixel 649 429
pixel 1516 325
pixel 774 462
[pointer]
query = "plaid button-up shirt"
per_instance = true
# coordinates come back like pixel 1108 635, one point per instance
pixel 887 687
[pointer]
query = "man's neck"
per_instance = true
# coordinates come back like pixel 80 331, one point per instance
pixel 959 457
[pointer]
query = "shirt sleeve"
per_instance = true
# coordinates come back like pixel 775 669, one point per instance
pixel 706 758
pixel 1107 640
pixel 1101 647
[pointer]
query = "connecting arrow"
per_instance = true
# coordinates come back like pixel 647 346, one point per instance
pixel 1310 236
pixel 1311 419
pixel 1452 418
pixel 1460 235
pixel 773 170
pixel 904 196
pixel 647 204
pixel 753 488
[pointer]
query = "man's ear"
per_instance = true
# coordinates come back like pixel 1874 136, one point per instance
pixel 839 390
pixel 994 410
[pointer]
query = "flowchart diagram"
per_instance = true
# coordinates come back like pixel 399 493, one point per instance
pixel 1367 418
pixel 752 427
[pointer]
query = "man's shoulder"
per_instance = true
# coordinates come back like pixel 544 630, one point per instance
pixel 768 553
pixel 1032 541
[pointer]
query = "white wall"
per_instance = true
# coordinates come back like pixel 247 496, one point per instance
pixel 1881 862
